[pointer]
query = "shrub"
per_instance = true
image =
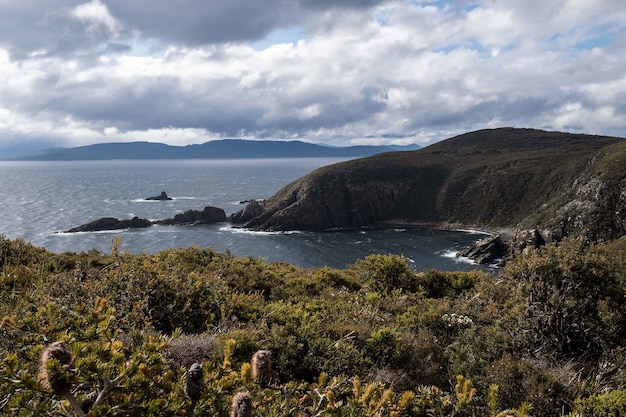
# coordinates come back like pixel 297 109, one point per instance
pixel 611 404
pixel 385 273
pixel 576 299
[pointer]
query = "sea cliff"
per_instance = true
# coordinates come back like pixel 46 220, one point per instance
pixel 522 179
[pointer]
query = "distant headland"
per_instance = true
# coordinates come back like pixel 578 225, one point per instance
pixel 216 149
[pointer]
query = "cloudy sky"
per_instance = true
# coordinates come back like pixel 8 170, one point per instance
pixel 341 72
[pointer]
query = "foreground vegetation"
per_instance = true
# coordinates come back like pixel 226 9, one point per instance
pixel 196 332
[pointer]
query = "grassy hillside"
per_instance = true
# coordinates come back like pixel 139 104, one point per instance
pixel 124 335
pixel 491 178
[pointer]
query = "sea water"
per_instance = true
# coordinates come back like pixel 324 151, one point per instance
pixel 40 200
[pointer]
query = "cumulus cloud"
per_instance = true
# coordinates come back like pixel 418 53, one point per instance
pixel 341 72
pixel 96 16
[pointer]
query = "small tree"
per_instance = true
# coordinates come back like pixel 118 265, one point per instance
pixel 575 304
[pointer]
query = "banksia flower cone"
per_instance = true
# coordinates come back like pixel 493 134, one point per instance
pixel 194 383
pixel 241 405
pixel 55 379
pixel 262 367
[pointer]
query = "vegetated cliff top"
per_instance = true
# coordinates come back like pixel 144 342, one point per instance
pixel 489 178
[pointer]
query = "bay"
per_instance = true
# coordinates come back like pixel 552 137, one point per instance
pixel 39 200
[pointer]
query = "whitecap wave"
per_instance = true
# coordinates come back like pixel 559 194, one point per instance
pixel 453 255
pixel 474 232
pixel 97 232
pixel 241 230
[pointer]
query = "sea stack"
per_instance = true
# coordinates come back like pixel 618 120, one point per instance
pixel 161 197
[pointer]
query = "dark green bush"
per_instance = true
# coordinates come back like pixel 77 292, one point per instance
pixel 576 304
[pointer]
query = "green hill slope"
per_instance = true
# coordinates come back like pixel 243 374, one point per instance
pixel 491 178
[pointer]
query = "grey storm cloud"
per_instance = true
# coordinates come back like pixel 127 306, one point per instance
pixel 30 25
pixel 341 72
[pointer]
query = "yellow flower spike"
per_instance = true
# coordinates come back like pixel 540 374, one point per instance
pixel 386 398
pixel 167 376
pixel 330 396
pixel 228 351
pixel 322 379
pixel 459 385
pixel 465 392
pixel 356 388
pixel 116 346
pixel 246 372
pixel 369 390
pixel 407 400
pixel 493 399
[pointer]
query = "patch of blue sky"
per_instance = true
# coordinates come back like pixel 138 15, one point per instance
pixel 592 43
pixel 598 37
pixel 147 47
pixel 484 51
pixel 470 44
pixel 450 5
pixel 280 36
pixel 383 17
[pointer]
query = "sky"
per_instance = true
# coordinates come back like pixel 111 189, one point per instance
pixel 337 72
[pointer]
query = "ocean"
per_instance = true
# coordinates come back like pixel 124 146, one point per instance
pixel 40 200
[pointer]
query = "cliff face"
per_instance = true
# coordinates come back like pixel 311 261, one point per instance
pixel 492 178
pixel 349 195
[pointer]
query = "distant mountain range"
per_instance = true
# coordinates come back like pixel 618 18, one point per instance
pixel 219 149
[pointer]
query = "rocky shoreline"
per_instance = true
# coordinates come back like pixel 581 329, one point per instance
pixel 208 215
pixel 497 247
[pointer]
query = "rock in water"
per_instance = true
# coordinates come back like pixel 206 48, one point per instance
pixel 208 215
pixel 110 223
pixel 161 197
pixel 487 250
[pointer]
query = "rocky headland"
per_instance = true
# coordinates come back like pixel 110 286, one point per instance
pixel 540 185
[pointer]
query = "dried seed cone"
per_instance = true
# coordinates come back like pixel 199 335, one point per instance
pixel 194 383
pixel 262 367
pixel 241 405
pixel 57 382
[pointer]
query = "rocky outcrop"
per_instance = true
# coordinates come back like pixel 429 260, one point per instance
pixel 250 211
pixel 499 249
pixel 110 223
pixel 191 217
pixel 161 197
pixel 490 250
